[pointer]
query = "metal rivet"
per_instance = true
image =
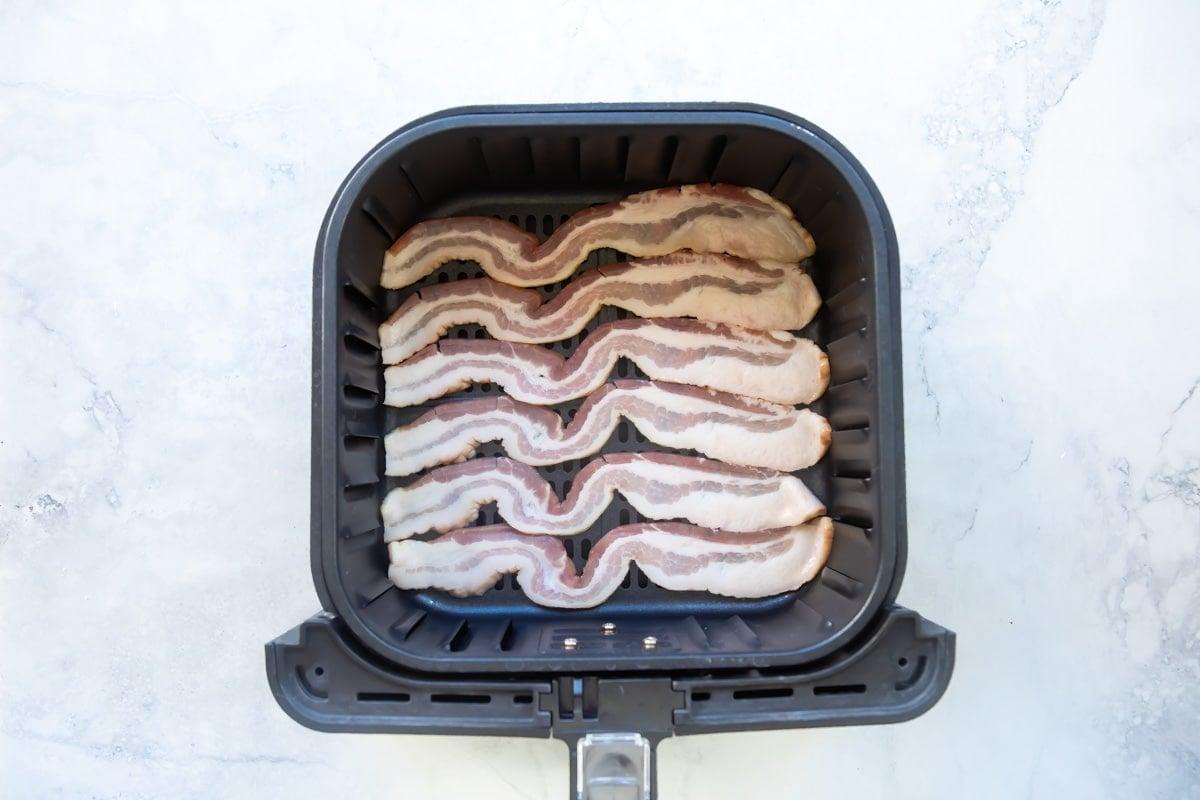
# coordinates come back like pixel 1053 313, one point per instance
pixel 609 628
pixel 570 643
pixel 650 642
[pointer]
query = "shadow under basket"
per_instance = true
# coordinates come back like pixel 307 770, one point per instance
pixel 648 663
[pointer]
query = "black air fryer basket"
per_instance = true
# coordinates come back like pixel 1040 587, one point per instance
pixel 648 663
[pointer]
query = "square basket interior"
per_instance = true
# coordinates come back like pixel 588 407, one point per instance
pixel 535 168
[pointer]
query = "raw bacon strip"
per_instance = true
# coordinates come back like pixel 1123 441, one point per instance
pixel 734 429
pixel 658 485
pixel 673 555
pixel 768 296
pixel 707 218
pixel 773 366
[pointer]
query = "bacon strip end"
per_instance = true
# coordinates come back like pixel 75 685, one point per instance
pixel 709 218
pixel 674 556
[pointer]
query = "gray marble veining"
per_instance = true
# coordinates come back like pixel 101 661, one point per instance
pixel 163 178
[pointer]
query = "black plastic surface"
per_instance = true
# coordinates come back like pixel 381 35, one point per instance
pixel 535 166
pixel 896 670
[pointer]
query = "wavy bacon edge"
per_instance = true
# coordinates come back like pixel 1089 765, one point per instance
pixel 743 431
pixel 674 556
pixel 658 485
pixel 774 366
pixel 713 288
pixel 710 218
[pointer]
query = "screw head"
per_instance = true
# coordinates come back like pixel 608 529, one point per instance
pixel 650 642
pixel 609 628
pixel 570 643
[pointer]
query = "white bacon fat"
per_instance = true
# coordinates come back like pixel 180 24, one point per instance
pixel 773 366
pixel 707 218
pixel 738 430
pixel 715 288
pixel 658 485
pixel 674 556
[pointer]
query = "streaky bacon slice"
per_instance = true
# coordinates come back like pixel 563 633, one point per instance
pixel 738 430
pixel 775 366
pixel 658 485
pixel 706 218
pixel 675 556
pixel 716 288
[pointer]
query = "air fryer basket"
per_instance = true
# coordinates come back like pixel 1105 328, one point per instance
pixel 536 166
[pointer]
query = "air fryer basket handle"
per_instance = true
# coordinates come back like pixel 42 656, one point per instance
pixel 326 681
pixel 613 766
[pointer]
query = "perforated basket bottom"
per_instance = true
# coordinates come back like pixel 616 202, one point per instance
pixel 635 591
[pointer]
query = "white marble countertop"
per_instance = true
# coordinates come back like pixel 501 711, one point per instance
pixel 165 170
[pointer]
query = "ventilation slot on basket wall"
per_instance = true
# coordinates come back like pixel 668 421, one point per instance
pixel 358 389
pixel 412 186
pixel 670 149
pixel 789 178
pixel 359 297
pixel 382 219
pixel 817 219
pixel 358 493
pixel 852 501
pixel 852 452
pixel 383 697
pixel 555 160
pixel 846 688
pixel 374 591
pixel 842 584
pixel 480 699
pixel 359 463
pixel 716 151
pixel 848 358
pixel 744 631
pixel 460 638
pixel 505 642
pixel 361 350
pixel 762 694
pixel 407 626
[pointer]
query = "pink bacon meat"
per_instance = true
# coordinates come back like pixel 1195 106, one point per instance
pixel 774 366
pixel 737 430
pixel 706 218
pixel 658 485
pixel 716 288
pixel 675 556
